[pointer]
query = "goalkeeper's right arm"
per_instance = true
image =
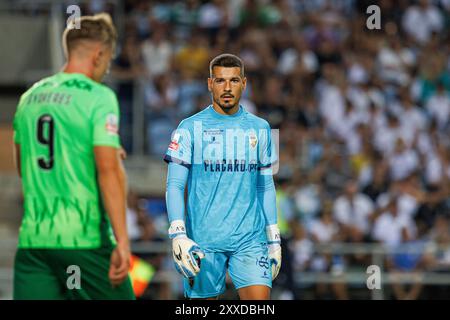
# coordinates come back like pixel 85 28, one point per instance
pixel 186 253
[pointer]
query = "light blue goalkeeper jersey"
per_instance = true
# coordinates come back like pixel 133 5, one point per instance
pixel 224 155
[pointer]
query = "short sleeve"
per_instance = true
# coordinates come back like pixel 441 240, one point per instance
pixel 16 123
pixel 105 121
pixel 16 128
pixel 180 147
pixel 267 148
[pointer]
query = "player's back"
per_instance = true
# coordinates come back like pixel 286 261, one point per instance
pixel 56 126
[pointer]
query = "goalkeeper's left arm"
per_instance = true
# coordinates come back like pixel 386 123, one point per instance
pixel 186 253
pixel 267 199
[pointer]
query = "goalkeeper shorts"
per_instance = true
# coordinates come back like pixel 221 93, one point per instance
pixel 57 274
pixel 247 266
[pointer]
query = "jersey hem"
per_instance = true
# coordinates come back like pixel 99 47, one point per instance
pixel 206 295
pixel 106 144
pixel 168 159
pixel 254 284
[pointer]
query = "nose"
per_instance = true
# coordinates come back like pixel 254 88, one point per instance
pixel 228 86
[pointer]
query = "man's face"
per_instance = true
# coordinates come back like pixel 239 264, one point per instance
pixel 226 86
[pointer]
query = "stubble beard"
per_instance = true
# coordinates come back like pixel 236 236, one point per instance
pixel 224 106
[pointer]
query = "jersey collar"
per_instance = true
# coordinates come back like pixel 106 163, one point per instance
pixel 217 115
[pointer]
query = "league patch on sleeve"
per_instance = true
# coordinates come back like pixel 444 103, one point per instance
pixel 112 123
pixel 174 146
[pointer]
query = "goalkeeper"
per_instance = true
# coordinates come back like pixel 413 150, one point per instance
pixel 224 154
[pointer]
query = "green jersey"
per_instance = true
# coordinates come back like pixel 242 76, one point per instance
pixel 57 124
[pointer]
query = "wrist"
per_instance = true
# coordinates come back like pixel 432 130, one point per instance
pixel 273 234
pixel 123 244
pixel 177 229
pixel 179 236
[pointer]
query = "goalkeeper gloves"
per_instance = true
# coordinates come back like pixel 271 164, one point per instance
pixel 274 246
pixel 186 253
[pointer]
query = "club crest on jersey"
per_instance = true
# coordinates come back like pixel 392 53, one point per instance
pixel 252 140
pixel 112 123
pixel 174 145
pixel 212 136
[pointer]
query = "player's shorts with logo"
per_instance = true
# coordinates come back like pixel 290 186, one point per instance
pixel 45 274
pixel 247 266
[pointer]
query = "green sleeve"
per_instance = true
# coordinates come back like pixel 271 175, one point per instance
pixel 16 122
pixel 105 121
pixel 16 129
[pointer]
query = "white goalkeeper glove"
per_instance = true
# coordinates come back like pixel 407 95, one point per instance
pixel 274 246
pixel 186 253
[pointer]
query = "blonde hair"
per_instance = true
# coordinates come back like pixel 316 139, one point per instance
pixel 99 28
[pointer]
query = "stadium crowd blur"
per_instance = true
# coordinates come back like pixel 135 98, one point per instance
pixel 363 117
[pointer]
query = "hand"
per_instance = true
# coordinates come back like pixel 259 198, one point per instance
pixel 275 259
pixel 122 154
pixel 119 265
pixel 187 256
pixel 274 247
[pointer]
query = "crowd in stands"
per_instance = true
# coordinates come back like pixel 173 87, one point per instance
pixel 364 116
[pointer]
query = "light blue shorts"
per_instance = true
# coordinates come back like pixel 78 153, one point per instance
pixel 246 267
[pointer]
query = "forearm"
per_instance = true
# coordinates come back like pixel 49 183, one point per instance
pixel 267 198
pixel 177 176
pixel 112 185
pixel 268 201
pixel 123 181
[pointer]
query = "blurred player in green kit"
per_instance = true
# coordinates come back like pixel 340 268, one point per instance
pixel 68 154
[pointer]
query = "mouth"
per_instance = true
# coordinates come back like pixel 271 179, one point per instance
pixel 227 97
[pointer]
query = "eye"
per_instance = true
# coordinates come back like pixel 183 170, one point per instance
pixel 219 80
pixel 235 80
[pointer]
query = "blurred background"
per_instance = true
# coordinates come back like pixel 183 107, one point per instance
pixel 363 115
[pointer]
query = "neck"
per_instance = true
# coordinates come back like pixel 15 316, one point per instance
pixel 73 66
pixel 226 112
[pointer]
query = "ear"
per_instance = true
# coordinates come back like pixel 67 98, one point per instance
pixel 244 83
pixel 97 56
pixel 210 84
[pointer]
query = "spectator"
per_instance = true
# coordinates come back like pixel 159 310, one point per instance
pixel 353 211
pixel 127 67
pixel 391 226
pixel 157 52
pixel 420 21
pixel 212 17
pixel 160 98
pixel 403 161
pixel 307 199
pixel 298 59
pixel 301 247
pixel 438 107
pixel 192 59
pixel 408 261
pixel 140 226
pixel 438 251
pixel 185 15
pixel 325 231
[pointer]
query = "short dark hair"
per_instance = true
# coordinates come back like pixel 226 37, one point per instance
pixel 227 60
